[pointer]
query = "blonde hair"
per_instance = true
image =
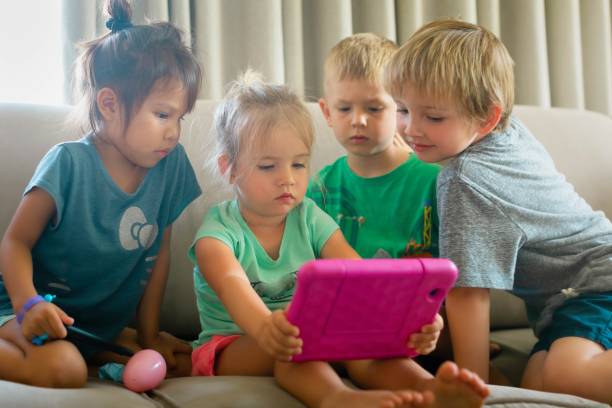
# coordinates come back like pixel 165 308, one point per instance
pixel 359 56
pixel 457 61
pixel 250 110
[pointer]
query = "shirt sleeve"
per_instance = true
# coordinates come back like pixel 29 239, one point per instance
pixel 182 186
pixel 320 224
pixel 54 175
pixel 477 236
pixel 214 227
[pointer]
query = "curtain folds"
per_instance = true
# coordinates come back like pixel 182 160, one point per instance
pixel 562 48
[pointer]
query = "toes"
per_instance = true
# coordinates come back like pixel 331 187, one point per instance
pixel 448 371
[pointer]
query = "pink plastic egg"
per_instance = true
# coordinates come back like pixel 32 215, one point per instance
pixel 144 371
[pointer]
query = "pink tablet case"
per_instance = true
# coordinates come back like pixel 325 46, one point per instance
pixel 361 309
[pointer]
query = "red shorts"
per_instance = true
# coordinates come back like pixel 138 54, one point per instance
pixel 203 358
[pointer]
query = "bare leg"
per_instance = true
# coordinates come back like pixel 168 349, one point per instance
pixel 462 387
pixel 244 357
pixel 317 385
pixel 590 375
pixel 55 364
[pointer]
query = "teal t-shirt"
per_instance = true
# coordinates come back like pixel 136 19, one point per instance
pixel 391 216
pixel 98 253
pixel 307 229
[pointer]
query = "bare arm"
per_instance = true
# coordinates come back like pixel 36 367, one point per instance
pixel 149 308
pixel 337 247
pixel 467 311
pixel 227 279
pixel 32 216
pixel 150 304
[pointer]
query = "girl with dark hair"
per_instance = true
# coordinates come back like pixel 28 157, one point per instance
pixel 93 227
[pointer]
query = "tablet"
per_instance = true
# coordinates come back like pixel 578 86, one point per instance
pixel 363 309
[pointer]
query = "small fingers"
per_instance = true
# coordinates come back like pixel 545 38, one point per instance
pixel 54 326
pixel 182 347
pixel 281 322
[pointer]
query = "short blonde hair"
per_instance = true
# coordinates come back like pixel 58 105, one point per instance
pixel 250 110
pixel 359 56
pixel 457 61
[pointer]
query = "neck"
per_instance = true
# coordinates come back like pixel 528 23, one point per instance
pixel 124 173
pixel 381 163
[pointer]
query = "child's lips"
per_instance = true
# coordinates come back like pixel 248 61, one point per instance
pixel 358 139
pixel 418 147
pixel 287 197
pixel 163 152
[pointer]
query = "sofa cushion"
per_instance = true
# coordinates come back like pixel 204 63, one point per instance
pixel 96 394
pixel 253 392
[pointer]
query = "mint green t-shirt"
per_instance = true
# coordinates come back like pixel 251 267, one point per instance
pixel 307 229
pixel 391 216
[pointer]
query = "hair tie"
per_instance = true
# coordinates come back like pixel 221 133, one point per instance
pixel 115 24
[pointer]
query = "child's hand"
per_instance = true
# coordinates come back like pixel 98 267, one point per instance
pixel 168 345
pixel 45 317
pixel 278 337
pixel 425 341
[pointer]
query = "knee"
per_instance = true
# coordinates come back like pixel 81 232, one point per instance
pixel 64 367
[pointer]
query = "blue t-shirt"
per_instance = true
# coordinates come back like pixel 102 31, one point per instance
pixel 97 254
pixel 509 220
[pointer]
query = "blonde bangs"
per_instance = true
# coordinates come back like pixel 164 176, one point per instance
pixel 361 56
pixel 450 60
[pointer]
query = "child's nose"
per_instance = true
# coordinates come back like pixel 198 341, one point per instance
pixel 409 127
pixel 287 178
pixel 173 132
pixel 359 119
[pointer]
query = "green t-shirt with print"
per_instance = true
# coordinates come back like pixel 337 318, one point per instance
pixel 307 229
pixel 391 216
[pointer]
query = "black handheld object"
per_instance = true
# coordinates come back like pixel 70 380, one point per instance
pixel 80 335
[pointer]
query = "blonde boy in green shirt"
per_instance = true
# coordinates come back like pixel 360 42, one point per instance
pixel 382 196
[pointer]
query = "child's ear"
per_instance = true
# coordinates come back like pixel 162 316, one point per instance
pixel 224 166
pixel 492 120
pixel 325 109
pixel 108 103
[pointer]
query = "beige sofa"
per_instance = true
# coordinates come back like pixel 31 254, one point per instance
pixel 580 142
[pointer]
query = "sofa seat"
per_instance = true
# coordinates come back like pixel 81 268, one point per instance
pixel 227 392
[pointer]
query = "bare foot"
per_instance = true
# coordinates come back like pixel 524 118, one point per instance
pixel 376 399
pixel 457 388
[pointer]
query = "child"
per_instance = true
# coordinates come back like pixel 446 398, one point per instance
pixel 248 250
pixel 508 219
pixel 402 220
pixel 94 224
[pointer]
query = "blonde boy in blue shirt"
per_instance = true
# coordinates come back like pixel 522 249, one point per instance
pixel 508 219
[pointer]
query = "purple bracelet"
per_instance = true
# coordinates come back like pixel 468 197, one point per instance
pixel 34 300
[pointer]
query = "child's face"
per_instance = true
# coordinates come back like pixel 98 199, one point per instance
pixel 361 114
pixel 435 130
pixel 272 179
pixel 155 128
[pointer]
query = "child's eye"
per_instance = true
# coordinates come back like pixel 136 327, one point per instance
pixel 375 109
pixel 265 167
pixel 344 109
pixel 402 111
pixel 299 165
pixel 162 115
pixel 436 119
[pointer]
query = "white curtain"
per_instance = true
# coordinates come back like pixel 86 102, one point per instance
pixel 562 48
